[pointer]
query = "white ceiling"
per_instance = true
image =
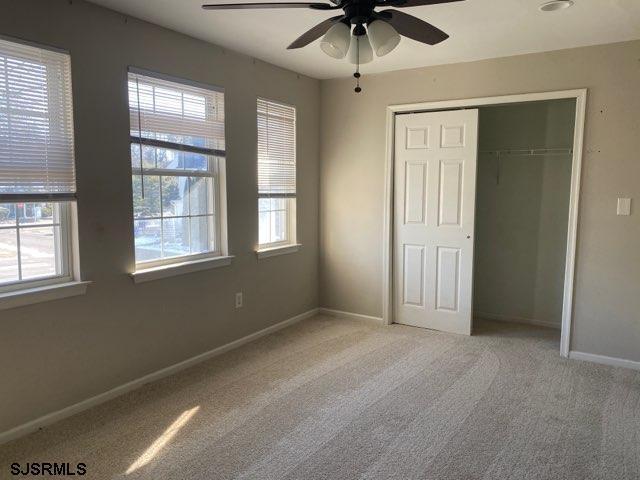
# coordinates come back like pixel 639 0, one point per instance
pixel 479 29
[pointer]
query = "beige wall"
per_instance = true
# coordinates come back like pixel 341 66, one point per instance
pixel 57 353
pixel 522 211
pixel 607 289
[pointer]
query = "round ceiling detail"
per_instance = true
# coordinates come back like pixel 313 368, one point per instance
pixel 556 5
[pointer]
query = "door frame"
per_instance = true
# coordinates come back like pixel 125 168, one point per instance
pixel 580 97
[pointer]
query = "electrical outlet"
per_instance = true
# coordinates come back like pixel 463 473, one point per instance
pixel 238 299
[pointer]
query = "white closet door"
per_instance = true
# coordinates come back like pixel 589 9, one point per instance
pixel 435 191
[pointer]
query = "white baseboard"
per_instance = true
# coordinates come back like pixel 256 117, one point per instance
pixel 507 318
pixel 350 315
pixel 611 361
pixel 58 415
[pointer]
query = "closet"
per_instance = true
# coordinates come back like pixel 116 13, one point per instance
pixel 522 208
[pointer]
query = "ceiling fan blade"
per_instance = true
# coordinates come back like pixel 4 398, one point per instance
pixel 413 27
pixel 242 6
pixel 414 3
pixel 316 32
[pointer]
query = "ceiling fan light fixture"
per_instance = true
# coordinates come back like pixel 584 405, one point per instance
pixel 336 41
pixel 360 51
pixel 556 5
pixel 383 36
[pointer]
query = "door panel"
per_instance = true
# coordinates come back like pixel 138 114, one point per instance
pixel 417 137
pixel 450 191
pixel 447 278
pixel 415 193
pixel 414 275
pixel 434 209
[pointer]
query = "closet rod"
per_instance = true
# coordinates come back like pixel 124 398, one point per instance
pixel 531 151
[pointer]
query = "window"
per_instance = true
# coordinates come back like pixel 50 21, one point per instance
pixel 37 167
pixel 276 174
pixel 177 160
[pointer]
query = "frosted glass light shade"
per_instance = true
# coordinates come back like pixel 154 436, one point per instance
pixel 366 52
pixel 335 42
pixel 383 36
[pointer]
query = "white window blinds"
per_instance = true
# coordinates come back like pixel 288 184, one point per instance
pixel 177 141
pixel 276 149
pixel 176 115
pixel 36 123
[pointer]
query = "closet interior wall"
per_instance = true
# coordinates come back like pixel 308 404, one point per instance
pixel 522 208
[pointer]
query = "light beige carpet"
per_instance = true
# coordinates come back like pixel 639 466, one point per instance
pixel 337 399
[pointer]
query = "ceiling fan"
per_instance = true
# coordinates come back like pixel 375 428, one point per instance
pixel 381 35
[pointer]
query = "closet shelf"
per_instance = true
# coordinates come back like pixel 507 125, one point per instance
pixel 530 151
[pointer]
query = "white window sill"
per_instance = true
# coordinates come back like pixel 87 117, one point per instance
pixel 20 298
pixel 173 269
pixel 283 250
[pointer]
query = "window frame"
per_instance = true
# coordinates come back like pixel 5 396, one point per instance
pixel 66 250
pixel 216 171
pixel 290 222
pixel 291 201
pixel 65 258
pixel 214 225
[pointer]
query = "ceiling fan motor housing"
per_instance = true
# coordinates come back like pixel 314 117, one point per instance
pixel 359 12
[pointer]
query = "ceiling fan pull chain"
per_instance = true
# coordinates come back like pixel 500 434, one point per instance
pixel 357 74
